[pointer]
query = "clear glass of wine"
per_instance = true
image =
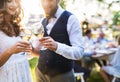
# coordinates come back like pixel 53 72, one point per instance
pixel 39 32
pixel 25 36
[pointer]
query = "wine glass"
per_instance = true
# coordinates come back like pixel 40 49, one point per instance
pixel 39 32
pixel 25 34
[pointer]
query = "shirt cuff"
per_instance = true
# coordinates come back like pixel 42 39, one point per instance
pixel 59 49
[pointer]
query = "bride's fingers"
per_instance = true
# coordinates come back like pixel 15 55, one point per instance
pixel 22 44
pixel 24 49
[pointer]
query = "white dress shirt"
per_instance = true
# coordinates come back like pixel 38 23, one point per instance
pixel 75 51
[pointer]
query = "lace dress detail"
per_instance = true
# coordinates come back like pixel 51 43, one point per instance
pixel 16 69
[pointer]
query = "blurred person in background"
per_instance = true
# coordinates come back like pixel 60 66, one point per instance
pixel 113 68
pixel 101 38
pixel 105 25
pixel 89 48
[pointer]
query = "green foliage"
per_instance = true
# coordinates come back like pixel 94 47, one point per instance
pixel 116 18
pixel 100 0
pixel 95 77
pixel 63 3
pixel 113 2
pixel 33 62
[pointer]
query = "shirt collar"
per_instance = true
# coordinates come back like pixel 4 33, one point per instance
pixel 59 12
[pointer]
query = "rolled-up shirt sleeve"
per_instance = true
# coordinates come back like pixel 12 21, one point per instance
pixel 76 50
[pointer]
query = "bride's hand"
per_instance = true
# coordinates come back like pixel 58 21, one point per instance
pixel 21 46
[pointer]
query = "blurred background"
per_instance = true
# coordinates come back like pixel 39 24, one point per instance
pixel 92 14
pixel 95 12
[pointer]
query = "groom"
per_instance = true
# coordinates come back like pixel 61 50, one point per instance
pixel 63 40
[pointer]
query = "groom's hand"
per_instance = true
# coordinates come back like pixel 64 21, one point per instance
pixel 49 43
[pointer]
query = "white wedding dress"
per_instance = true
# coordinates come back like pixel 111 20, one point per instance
pixel 16 69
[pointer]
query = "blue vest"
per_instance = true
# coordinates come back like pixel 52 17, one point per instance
pixel 51 63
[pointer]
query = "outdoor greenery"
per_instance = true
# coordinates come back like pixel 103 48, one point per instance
pixel 33 63
pixel 116 14
pixel 116 18
pixel 94 77
pixel 63 3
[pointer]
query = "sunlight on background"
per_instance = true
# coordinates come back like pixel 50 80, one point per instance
pixel 90 9
pixel 81 8
pixel 31 7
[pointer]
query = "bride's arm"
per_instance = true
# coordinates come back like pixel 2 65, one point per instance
pixel 17 48
pixel 4 56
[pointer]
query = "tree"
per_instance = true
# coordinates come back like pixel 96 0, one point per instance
pixel 116 18
pixel 110 4
pixel 63 3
